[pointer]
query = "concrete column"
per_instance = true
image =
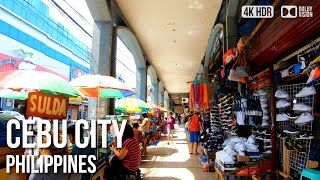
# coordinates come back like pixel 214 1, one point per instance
pixel 231 25
pixel 101 62
pixel 161 97
pixel 141 87
pixel 155 93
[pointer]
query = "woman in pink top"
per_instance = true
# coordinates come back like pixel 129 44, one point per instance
pixel 170 127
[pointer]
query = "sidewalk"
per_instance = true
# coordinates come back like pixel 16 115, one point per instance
pixel 172 161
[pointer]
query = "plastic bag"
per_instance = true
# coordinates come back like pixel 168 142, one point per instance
pixel 229 56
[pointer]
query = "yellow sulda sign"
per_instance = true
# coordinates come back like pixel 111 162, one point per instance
pixel 47 106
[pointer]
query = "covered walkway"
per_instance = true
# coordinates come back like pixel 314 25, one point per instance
pixel 172 161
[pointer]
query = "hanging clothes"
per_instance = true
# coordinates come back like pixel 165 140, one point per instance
pixel 205 96
pixel 200 95
pixel 192 92
pixel 195 91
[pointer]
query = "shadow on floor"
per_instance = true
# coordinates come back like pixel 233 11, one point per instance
pixel 163 152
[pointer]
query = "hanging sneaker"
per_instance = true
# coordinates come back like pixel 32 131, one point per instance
pixel 264 124
pixel 289 145
pixel 281 117
pixel 260 92
pixel 290 130
pixel 305 135
pixel 301 107
pixel 299 147
pixel 290 114
pixel 266 132
pixel 304 118
pixel 263 99
pixel 267 151
pixel 281 135
pixel 314 76
pixel 306 91
pixel 265 117
pixel 282 103
pixel 280 93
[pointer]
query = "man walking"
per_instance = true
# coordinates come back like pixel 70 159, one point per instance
pixel 194 126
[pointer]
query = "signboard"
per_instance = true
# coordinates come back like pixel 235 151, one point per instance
pixel 47 106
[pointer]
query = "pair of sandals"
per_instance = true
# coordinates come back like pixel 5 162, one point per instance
pixel 194 153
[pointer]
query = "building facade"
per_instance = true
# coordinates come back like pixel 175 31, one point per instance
pixel 44 35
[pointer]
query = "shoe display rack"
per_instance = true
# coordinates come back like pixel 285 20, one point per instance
pixel 297 158
pixel 261 87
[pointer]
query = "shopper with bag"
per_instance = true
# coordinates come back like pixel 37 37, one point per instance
pixel 194 129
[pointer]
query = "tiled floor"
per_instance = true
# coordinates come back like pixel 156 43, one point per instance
pixel 172 161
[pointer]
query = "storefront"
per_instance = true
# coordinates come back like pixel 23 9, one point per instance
pixel 263 120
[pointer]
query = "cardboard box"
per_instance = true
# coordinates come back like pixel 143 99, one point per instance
pixel 243 158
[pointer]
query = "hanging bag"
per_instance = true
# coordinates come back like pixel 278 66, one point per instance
pixel 243 69
pixel 232 76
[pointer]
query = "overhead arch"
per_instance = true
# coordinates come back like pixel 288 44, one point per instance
pixel 210 46
pixel 154 84
pixel 161 93
pixel 130 40
pixel 161 88
pixel 153 75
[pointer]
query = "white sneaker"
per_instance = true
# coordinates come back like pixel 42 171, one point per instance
pixel 241 153
pixel 264 123
pixel 301 107
pixel 282 103
pixel 265 111
pixel 260 92
pixel 281 117
pixel 252 147
pixel 251 139
pixel 265 117
pixel 263 105
pixel 240 147
pixel 270 146
pixel 280 93
pixel 306 91
pixel 263 99
pixel 304 118
pixel 267 152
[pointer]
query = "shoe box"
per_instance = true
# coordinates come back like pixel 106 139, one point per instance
pixel 223 167
pixel 253 153
pixel 254 158
pixel 248 158
pixel 225 164
pixel 248 171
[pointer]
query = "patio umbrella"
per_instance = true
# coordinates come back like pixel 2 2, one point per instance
pixel 102 86
pixel 31 80
pixel 155 107
pixel 132 105
pixel 10 94
pixel 163 109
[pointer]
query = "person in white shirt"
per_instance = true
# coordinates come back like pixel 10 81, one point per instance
pixel 145 129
